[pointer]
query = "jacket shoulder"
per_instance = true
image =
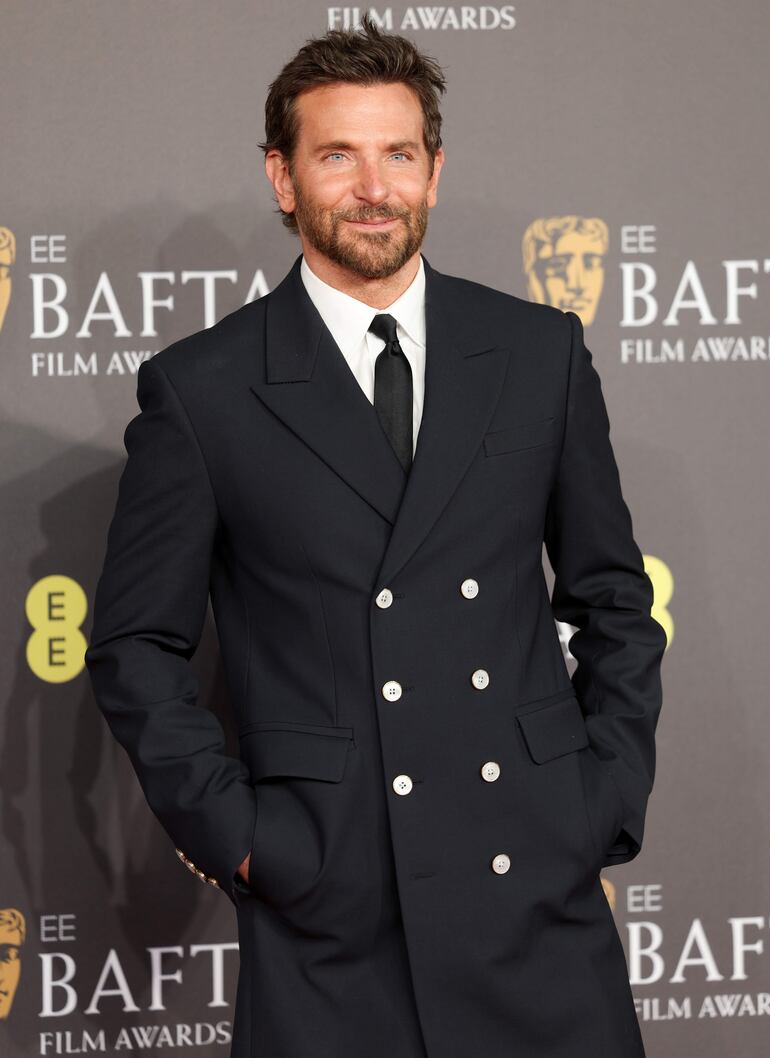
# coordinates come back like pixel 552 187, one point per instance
pixel 500 302
pixel 504 308
pixel 211 350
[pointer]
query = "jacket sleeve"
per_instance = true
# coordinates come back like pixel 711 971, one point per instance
pixel 602 588
pixel 148 614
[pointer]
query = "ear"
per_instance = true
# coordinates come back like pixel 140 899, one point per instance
pixel 432 191
pixel 277 170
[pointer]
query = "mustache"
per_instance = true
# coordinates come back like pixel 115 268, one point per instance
pixel 377 213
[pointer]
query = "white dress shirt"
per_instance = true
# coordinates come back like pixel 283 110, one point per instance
pixel 349 319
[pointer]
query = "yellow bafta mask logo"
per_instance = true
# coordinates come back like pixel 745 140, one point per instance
pixel 610 892
pixel 12 933
pixel 663 589
pixel 7 258
pixel 563 260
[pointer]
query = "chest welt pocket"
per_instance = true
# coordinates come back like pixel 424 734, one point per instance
pixel 272 748
pixel 523 435
pixel 555 728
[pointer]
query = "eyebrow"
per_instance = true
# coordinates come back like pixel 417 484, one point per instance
pixel 340 145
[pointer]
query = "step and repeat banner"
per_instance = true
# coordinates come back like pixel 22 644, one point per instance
pixel 604 156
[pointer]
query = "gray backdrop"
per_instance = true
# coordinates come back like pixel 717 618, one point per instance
pixel 606 154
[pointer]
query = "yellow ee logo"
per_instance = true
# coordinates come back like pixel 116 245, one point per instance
pixel 663 588
pixel 56 607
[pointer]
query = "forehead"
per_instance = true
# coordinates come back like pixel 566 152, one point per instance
pixel 573 240
pixel 344 111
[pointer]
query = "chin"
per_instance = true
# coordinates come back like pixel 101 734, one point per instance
pixel 374 265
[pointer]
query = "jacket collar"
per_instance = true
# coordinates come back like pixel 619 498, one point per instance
pixel 348 319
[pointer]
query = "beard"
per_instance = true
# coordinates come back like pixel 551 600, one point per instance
pixel 370 254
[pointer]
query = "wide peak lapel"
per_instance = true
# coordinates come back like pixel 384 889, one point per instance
pixel 309 386
pixel 462 388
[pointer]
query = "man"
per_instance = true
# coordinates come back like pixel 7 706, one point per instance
pixel 413 832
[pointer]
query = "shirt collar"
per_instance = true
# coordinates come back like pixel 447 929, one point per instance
pixel 349 319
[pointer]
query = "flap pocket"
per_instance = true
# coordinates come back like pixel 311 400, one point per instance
pixel 554 729
pixel 308 751
pixel 523 435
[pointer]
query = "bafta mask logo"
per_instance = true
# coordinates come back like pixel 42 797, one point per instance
pixel 7 258
pixel 609 892
pixel 12 933
pixel 563 259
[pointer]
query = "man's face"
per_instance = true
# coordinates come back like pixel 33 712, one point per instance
pixel 360 186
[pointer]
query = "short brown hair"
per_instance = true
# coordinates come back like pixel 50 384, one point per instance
pixel 348 56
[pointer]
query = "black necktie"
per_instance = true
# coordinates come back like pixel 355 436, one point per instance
pixel 393 389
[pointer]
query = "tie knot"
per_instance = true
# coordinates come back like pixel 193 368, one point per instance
pixel 384 326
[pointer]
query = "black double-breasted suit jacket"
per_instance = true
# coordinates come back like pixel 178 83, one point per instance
pixel 427 796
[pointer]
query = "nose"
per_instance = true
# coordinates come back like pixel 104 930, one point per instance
pixel 575 276
pixel 370 185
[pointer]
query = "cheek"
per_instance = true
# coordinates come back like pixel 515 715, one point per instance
pixel 324 190
pixel 414 192
pixel 409 183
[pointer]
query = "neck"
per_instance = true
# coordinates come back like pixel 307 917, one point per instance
pixel 379 292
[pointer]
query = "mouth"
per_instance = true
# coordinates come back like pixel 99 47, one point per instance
pixel 374 225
